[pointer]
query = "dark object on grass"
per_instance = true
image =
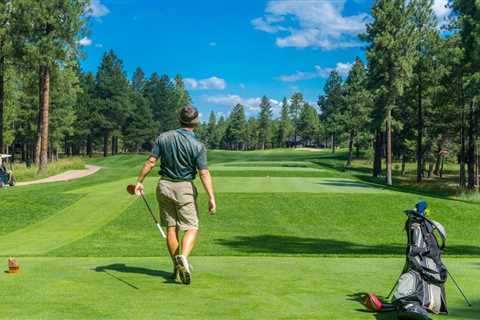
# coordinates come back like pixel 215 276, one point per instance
pixel 13 266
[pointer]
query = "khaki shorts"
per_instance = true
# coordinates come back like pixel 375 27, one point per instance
pixel 178 204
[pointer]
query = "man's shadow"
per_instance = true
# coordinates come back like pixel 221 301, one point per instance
pixel 121 267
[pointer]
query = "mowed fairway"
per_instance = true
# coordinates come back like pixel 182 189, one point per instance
pixel 294 238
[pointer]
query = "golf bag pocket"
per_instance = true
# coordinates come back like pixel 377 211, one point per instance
pixel 408 286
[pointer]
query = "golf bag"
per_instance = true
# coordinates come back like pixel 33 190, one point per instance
pixel 420 288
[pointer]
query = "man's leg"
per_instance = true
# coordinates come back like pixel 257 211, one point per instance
pixel 188 241
pixel 172 242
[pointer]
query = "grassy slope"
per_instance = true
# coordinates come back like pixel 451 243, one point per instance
pixel 273 212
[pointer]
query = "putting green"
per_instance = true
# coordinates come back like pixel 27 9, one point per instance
pixel 292 184
pixel 222 288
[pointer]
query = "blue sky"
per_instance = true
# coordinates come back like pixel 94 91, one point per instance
pixel 232 51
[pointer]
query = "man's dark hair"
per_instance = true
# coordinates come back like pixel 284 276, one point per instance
pixel 188 117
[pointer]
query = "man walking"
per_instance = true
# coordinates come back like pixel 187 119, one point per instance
pixel 181 155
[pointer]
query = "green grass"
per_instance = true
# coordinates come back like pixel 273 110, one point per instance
pixel 222 288
pixel 296 237
pixel 22 173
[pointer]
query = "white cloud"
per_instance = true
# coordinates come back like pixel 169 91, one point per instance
pixel 205 84
pixel 342 68
pixel 232 99
pixel 85 42
pixel 441 9
pixel 97 9
pixel 311 24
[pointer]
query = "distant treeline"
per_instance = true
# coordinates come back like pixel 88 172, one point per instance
pixel 415 98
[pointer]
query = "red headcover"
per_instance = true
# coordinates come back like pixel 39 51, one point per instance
pixel 372 303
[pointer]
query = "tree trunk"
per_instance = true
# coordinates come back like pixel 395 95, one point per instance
pixel 2 100
pixel 357 151
pixel 113 145
pixel 44 107
pixel 333 142
pixel 404 162
pixel 377 161
pixel 350 149
pixel 462 178
pixel 430 169
pixel 420 125
pixel 89 147
pixel 438 161
pixel 441 167
pixel 471 147
pixel 389 148
pixel 105 144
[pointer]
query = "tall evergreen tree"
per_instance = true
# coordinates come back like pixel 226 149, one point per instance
pixel 330 106
pixel 49 31
pixel 308 124
pixel 236 131
pixel 264 122
pixel 113 99
pixel 285 127
pixel 211 133
pixel 355 111
pixel 390 53
pixel 295 107
pixel 469 24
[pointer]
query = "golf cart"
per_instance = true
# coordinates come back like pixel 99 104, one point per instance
pixel 6 175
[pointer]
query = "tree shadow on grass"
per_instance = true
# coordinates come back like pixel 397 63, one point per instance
pixel 121 267
pixel 290 245
pixel 348 184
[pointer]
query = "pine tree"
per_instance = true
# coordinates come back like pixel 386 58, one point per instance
pixel 211 132
pixel 295 107
pixel 308 124
pixel 253 133
pixel 390 55
pixel 355 111
pixel 236 132
pixel 285 127
pixel 330 106
pixel 113 100
pixel 469 24
pixel 49 32
pixel 264 122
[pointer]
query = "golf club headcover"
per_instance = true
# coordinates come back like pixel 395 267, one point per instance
pixel 421 207
pixel 13 265
pixel 131 189
pixel 372 302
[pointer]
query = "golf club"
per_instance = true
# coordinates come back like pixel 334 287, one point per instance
pixel 131 190
pixel 459 289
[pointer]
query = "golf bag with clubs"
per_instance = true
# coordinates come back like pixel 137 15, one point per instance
pixel 420 288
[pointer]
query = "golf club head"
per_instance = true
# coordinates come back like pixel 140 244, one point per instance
pixel 131 189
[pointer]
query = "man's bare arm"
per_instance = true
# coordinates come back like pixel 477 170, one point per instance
pixel 147 167
pixel 208 186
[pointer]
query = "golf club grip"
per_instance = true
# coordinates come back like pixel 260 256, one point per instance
pixel 161 230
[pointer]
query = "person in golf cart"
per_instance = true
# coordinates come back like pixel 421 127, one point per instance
pixel 6 176
pixel 181 155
